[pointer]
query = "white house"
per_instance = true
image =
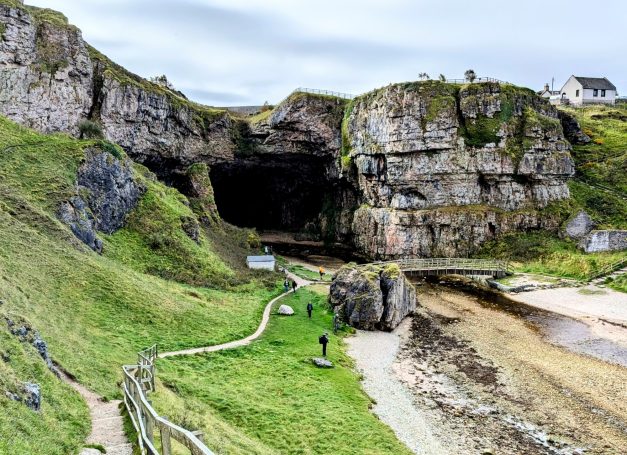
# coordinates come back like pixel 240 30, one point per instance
pixel 588 90
pixel 547 92
pixel 266 262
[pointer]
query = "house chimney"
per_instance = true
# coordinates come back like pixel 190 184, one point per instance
pixel 546 87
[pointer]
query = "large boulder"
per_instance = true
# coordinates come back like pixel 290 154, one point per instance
pixel 286 310
pixel 372 297
pixel 572 129
pixel 579 226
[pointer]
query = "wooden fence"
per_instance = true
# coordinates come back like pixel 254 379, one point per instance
pixel 138 381
pixel 452 266
pixel 316 91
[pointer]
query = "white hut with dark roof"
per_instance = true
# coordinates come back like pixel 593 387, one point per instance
pixel 588 90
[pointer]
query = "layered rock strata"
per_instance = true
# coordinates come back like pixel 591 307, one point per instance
pixel 373 297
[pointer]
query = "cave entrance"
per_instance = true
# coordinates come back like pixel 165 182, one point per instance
pixel 283 193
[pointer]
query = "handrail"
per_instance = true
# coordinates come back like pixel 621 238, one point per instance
pixel 609 269
pixel 460 264
pixel 138 381
pixel 316 91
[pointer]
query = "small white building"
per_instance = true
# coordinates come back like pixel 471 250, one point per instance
pixel 588 90
pixel 547 92
pixel 266 262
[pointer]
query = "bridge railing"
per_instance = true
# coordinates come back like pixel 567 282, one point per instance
pixel 438 264
pixel 138 381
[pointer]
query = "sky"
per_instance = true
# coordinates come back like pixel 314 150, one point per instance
pixel 246 52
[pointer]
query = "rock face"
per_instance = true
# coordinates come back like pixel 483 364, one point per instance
pixel 597 241
pixel 491 154
pixel 579 226
pixel 45 71
pixel 372 297
pixel 413 169
pixel 572 129
pixel 107 191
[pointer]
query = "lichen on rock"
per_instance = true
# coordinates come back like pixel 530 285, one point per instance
pixel 372 297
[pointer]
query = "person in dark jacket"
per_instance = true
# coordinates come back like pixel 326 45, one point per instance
pixel 286 285
pixel 324 340
pixel 294 285
pixel 309 309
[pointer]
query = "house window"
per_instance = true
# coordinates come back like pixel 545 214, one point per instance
pixel 602 93
pixel 576 93
pixel 595 92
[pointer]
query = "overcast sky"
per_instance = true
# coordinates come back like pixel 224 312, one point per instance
pixel 240 52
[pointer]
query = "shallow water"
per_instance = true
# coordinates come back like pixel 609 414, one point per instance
pixel 558 329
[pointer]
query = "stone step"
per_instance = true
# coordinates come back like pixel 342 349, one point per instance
pixel 123 449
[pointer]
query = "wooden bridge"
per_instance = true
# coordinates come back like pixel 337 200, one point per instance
pixel 452 266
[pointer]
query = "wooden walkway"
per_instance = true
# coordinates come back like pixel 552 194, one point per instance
pixel 452 266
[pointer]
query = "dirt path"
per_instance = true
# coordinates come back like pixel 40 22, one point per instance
pixel 107 424
pixel 244 341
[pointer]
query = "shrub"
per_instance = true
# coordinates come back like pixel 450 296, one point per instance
pixel 470 75
pixel 112 149
pixel 253 240
pixel 89 130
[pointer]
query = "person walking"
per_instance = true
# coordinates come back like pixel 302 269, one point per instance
pixel 294 285
pixel 286 285
pixel 309 309
pixel 324 340
pixel 321 271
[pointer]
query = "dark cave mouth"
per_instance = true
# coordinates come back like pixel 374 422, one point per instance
pixel 279 194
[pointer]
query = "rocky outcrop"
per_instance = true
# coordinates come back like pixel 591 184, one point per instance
pixel 107 191
pixel 442 169
pixel 372 297
pixel 110 188
pixel 607 240
pixel 579 225
pixel 45 70
pixel 572 129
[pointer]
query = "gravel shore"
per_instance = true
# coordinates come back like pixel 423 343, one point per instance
pixel 375 353
pixel 462 378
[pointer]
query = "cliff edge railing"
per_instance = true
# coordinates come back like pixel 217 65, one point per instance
pixel 452 266
pixel 139 380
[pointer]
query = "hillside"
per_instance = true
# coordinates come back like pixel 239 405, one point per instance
pixel 95 311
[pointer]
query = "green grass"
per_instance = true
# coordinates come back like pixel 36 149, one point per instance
pixel 63 420
pixel 95 311
pixel 602 162
pixel 272 392
pixel 545 254
pixel 306 273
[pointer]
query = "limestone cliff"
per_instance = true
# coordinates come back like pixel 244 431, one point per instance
pixel 413 169
pixel 442 168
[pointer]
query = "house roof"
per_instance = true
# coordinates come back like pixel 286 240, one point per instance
pixel 267 258
pixel 599 83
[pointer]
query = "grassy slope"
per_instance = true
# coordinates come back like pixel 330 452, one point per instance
pixel 603 162
pixel 94 311
pixel 273 393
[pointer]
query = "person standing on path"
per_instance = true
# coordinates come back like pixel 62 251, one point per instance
pixel 294 285
pixel 286 285
pixel 324 340
pixel 309 309
pixel 321 271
